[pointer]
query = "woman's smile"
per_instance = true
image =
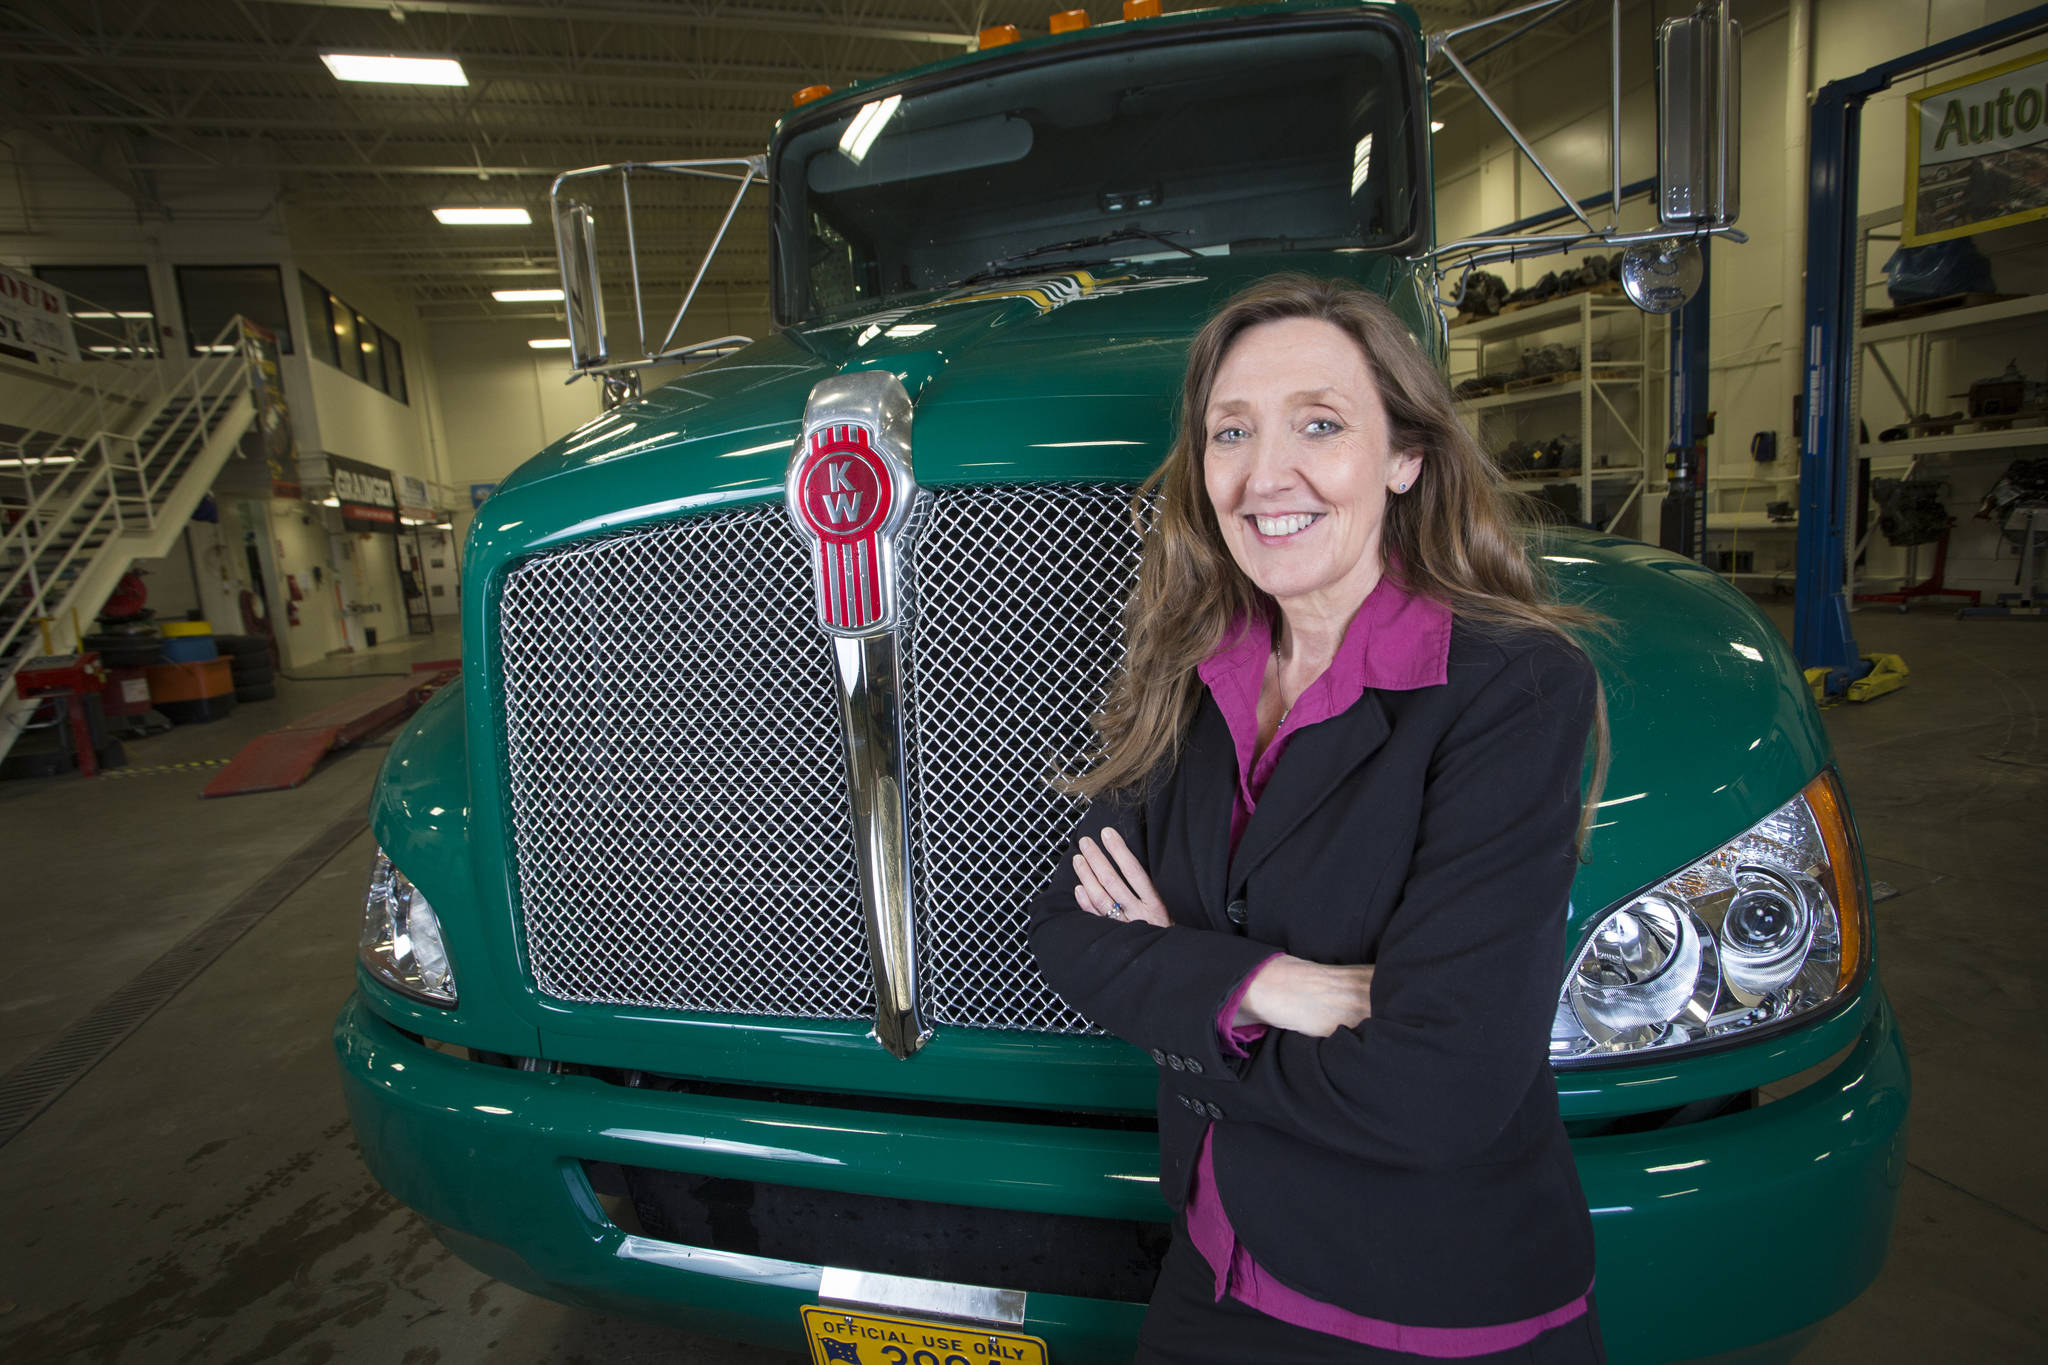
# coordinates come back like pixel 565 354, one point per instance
pixel 1277 529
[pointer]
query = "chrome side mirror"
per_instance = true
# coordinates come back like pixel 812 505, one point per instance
pixel 1699 83
pixel 582 295
pixel 1662 277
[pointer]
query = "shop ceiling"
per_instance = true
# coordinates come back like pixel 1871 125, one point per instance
pixel 166 101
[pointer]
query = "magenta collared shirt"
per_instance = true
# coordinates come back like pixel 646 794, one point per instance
pixel 1396 642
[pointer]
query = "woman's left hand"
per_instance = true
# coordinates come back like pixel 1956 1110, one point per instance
pixel 1113 883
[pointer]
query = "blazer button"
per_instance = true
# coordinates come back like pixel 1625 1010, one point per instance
pixel 1236 911
pixel 1214 1111
pixel 1158 1057
pixel 1194 1067
pixel 1173 1060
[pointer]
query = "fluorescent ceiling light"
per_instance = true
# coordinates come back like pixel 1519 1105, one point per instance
pixel 484 217
pixel 107 317
pixel 1436 125
pixel 866 127
pixel 549 343
pixel 390 69
pixel 527 295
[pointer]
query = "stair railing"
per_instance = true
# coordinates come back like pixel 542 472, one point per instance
pixel 199 395
pixel 65 497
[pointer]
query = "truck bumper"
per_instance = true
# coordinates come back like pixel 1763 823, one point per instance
pixel 1725 1237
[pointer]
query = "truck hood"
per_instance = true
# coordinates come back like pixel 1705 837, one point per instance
pixel 1062 373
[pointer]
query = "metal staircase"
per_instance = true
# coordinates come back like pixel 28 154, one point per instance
pixel 115 459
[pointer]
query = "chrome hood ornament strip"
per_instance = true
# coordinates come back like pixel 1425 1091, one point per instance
pixel 850 491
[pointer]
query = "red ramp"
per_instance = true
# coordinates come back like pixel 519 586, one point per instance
pixel 284 758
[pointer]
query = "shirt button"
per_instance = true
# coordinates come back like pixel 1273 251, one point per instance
pixel 1176 1063
pixel 1194 1067
pixel 1237 912
pixel 1158 1057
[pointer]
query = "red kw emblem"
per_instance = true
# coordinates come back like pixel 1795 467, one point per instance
pixel 843 495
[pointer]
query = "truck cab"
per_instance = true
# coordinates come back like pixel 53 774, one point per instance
pixel 693 982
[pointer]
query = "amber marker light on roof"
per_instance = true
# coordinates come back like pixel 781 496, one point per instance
pixel 1141 9
pixel 1067 20
pixel 997 36
pixel 809 93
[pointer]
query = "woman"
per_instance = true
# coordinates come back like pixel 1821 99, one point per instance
pixel 1323 881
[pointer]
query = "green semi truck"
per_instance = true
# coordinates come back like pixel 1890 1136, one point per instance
pixel 692 982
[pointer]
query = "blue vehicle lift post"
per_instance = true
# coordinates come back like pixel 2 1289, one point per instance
pixel 1821 636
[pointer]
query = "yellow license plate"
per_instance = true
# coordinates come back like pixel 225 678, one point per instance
pixel 839 1337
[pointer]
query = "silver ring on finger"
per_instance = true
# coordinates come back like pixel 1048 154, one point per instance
pixel 1116 910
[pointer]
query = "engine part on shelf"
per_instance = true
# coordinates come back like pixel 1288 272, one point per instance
pixel 1555 358
pixel 1484 293
pixel 1518 457
pixel 1478 386
pixel 2007 394
pixel 2024 484
pixel 1910 511
pixel 1590 273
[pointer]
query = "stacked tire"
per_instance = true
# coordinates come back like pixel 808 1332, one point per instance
pixel 255 677
pixel 126 649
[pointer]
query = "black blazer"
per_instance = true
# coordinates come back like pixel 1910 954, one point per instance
pixel 1414 1168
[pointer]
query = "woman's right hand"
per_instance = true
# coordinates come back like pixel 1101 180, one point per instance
pixel 1306 997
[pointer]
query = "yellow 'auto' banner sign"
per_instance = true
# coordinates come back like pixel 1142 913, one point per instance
pixel 1977 152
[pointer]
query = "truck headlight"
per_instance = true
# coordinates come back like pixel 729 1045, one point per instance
pixel 1765 928
pixel 401 942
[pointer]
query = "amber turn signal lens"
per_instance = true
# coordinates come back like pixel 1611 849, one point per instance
pixel 809 93
pixel 1067 20
pixel 997 36
pixel 1141 9
pixel 1831 817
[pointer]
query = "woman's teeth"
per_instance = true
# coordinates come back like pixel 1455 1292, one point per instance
pixel 1284 526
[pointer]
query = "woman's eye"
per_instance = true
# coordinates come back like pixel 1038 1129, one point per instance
pixel 1228 435
pixel 1322 426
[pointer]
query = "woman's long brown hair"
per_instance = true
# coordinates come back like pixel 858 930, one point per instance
pixel 1452 533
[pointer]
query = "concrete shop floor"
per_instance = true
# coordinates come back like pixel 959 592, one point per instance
pixel 196 1197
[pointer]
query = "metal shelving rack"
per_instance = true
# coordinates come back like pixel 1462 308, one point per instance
pixel 1905 458
pixel 1616 419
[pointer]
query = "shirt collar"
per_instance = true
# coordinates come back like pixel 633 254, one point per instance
pixel 1398 641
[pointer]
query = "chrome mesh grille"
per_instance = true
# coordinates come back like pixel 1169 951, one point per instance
pixel 1017 630
pixel 678 793
pixel 678 796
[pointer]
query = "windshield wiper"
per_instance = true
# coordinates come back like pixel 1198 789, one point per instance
pixel 1006 265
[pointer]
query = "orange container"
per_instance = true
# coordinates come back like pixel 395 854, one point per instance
pixel 191 682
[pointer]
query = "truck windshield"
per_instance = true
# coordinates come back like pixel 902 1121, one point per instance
pixel 1219 142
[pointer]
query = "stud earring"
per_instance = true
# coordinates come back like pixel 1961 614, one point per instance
pixel 1402 489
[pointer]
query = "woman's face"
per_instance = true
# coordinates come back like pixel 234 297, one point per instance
pixel 1299 465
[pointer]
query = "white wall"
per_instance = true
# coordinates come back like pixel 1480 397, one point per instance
pixel 1560 103
pixel 501 400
